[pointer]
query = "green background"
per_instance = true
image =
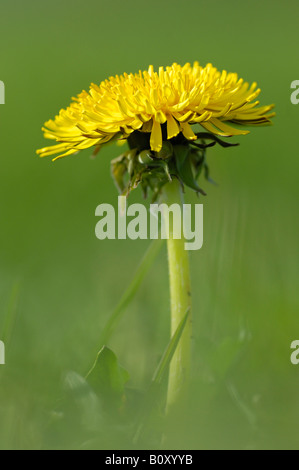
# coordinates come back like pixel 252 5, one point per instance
pixel 58 283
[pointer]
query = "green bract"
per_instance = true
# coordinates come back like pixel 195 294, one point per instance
pixel 179 158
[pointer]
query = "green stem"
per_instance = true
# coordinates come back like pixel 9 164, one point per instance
pixel 180 296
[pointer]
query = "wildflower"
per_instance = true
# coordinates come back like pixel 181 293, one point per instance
pixel 156 113
pixel 173 99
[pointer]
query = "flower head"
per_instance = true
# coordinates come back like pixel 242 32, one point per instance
pixel 162 104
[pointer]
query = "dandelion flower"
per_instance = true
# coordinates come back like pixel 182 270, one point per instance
pixel 162 104
pixel 156 112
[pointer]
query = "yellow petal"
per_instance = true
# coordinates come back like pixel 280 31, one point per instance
pixel 203 117
pixel 156 137
pixel 48 151
pixel 225 128
pixel 70 152
pixel 173 128
pixel 208 126
pixel 187 131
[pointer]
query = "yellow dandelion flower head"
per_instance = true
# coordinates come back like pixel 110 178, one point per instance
pixel 174 98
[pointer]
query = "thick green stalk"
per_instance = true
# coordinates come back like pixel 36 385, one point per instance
pixel 180 296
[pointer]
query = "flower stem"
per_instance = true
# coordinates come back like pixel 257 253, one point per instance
pixel 180 297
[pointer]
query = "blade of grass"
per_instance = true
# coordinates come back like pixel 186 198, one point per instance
pixel 243 407
pixel 128 295
pixel 163 366
pixel 152 396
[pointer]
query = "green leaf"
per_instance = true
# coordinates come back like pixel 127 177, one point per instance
pixel 203 146
pixel 223 143
pixel 82 404
pixel 181 153
pixel 118 171
pixel 108 378
pixel 207 174
pixel 184 167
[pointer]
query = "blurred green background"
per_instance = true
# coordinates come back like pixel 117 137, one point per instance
pixel 59 283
